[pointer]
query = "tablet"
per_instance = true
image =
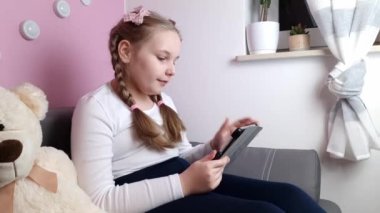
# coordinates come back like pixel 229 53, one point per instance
pixel 241 137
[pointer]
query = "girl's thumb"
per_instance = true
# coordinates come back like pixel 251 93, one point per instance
pixel 209 156
pixel 225 124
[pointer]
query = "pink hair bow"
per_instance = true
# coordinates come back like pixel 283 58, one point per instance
pixel 136 16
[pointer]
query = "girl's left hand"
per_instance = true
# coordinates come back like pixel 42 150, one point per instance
pixel 223 136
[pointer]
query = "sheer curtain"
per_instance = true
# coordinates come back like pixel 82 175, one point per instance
pixel 349 28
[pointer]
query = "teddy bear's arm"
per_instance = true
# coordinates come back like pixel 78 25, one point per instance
pixel 56 161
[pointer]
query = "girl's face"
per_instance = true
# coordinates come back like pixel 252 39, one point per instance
pixel 152 65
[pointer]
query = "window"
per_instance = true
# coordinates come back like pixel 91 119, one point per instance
pixel 292 12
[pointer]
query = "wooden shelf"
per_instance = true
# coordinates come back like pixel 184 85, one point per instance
pixel 293 54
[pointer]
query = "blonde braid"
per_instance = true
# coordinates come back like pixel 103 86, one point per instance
pixel 172 124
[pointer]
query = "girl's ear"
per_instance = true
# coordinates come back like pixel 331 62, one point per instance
pixel 125 51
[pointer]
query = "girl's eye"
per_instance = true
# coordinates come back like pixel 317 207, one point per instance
pixel 161 58
pixel 175 61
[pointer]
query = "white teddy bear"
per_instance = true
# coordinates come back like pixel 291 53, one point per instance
pixel 34 178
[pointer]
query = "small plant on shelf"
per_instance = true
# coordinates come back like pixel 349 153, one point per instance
pixel 299 38
pixel 298 29
pixel 265 4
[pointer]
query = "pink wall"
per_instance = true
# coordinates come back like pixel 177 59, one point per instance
pixel 69 58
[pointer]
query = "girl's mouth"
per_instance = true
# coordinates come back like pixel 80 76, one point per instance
pixel 162 82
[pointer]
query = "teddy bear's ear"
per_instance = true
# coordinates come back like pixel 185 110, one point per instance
pixel 34 98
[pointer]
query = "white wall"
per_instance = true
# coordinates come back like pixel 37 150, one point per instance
pixel 288 96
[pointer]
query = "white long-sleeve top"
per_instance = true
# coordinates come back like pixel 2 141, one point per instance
pixel 103 149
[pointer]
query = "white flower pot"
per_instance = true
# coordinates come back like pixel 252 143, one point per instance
pixel 262 37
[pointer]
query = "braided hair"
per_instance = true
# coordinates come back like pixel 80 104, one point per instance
pixel 146 129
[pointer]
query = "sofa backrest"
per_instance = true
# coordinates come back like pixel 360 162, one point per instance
pixel 56 128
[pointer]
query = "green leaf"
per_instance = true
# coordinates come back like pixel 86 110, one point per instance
pixel 265 3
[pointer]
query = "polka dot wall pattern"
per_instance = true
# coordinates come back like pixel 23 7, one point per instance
pixel 54 52
pixel 62 8
pixel 30 30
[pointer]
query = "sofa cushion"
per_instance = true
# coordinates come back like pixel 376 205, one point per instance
pixel 298 167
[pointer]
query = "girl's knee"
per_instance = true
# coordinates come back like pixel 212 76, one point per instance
pixel 298 200
pixel 293 191
pixel 266 207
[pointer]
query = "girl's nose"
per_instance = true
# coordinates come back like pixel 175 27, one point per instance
pixel 171 70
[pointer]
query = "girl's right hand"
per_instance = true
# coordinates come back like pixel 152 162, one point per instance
pixel 203 175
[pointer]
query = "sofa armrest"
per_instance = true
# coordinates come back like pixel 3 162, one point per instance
pixel 298 167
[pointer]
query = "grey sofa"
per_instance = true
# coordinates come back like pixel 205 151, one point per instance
pixel 299 167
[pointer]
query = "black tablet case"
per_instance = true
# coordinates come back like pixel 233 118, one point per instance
pixel 241 137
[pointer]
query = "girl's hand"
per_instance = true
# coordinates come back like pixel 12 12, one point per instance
pixel 203 175
pixel 223 136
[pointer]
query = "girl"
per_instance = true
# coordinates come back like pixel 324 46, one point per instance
pixel 130 147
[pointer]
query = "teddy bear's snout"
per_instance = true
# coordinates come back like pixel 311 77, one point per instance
pixel 10 150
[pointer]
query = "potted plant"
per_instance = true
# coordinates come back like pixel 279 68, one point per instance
pixel 264 6
pixel 262 36
pixel 299 38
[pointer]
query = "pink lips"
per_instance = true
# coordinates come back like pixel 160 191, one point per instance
pixel 162 82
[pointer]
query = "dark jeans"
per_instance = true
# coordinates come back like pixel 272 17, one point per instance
pixel 234 194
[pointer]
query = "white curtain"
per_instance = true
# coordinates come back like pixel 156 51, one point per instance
pixel 349 28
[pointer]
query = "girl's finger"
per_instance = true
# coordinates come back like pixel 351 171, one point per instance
pixel 220 162
pixel 245 122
